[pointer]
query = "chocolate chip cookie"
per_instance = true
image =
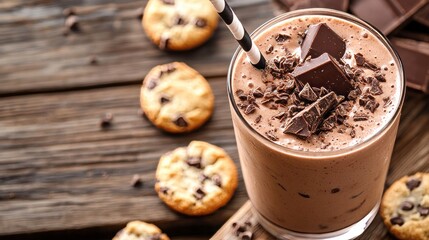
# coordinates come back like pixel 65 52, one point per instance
pixel 176 98
pixel 137 230
pixel 179 24
pixel 197 179
pixel 405 207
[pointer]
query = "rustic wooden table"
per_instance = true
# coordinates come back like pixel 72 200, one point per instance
pixel 63 176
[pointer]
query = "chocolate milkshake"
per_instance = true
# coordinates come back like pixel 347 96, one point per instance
pixel 315 130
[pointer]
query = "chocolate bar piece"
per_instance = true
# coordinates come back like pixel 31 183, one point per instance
pixel 386 15
pixel 325 72
pixel 290 5
pixel 320 38
pixel 415 57
pixel 422 16
pixel 306 121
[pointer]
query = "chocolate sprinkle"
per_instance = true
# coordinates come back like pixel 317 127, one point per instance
pixel 407 206
pixel 413 184
pixel 257 93
pixel 180 122
pixel 397 221
pixel 270 49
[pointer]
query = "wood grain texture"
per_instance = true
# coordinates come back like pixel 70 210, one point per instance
pixel 37 57
pixel 410 155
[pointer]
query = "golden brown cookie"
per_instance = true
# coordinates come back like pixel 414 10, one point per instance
pixel 179 24
pixel 197 179
pixel 176 98
pixel 405 207
pixel 137 230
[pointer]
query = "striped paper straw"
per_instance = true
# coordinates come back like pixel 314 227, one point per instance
pixel 240 34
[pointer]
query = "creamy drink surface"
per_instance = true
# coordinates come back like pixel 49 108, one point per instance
pixel 358 40
pixel 331 179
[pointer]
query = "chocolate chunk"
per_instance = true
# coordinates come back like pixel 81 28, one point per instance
pixel 413 183
pixel 305 122
pixel 335 190
pixel 194 162
pixel 180 122
pixel 163 42
pixel 281 37
pixel 325 72
pixel 151 84
pixel 271 135
pixel 424 211
pixel 354 94
pixel 368 102
pixel 360 60
pixel 164 190
pixel 397 221
pixel 202 177
pixel 201 23
pixel 168 2
pixel 136 181
pixel 164 100
pixel 304 195
pixel 241 95
pixel 247 235
pixel 270 49
pixel 360 117
pixel 249 109
pixel 282 101
pixel 329 123
pixel 257 93
pixel 199 194
pixel 387 101
pixel 258 119
pixel 407 206
pixel 280 66
pixel 320 39
pixel 380 77
pixel 217 180
pixel 307 93
pixel 106 120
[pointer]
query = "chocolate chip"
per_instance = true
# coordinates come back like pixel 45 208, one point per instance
pixel 202 177
pixel 163 42
pixel 412 184
pixel 304 195
pixel 397 221
pixel 201 22
pixel 258 119
pixel 164 100
pixel 179 21
pixel 247 235
pixel 136 181
pixel 164 190
pixel 194 162
pixel 217 180
pixel 199 194
pixel 72 23
pixel 151 84
pixel 249 109
pixel 375 87
pixel 360 117
pixel 281 37
pixel 323 92
pixel 407 206
pixel 271 135
pixel 257 93
pixel 424 211
pixel 307 93
pixel 106 120
pixel 168 2
pixel 335 190
pixel 270 49
pixel 370 66
pixel 180 122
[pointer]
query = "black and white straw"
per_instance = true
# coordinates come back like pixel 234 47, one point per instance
pixel 240 34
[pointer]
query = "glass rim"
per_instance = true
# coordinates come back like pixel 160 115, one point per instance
pixel 330 13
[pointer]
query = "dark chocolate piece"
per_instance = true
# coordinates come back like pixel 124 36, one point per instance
pixel 180 121
pixel 307 93
pixel 199 194
pixel 249 109
pixel 258 119
pixel 164 190
pixel 415 57
pixel 194 162
pixel 325 72
pixel 397 221
pixel 386 15
pixel 368 102
pixel 320 38
pixel 424 211
pixel 413 184
pixel 375 87
pixel 290 5
pixel 360 117
pixel 305 123
pixel 270 49
pixel 407 206
pixel 281 37
pixel 257 93
pixel 335 190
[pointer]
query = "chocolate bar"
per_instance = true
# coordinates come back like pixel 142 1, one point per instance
pixel 415 58
pixel 386 15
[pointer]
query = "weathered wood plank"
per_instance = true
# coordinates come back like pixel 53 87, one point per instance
pixel 410 155
pixel 59 170
pixel 37 57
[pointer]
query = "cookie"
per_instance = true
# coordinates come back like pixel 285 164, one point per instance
pixel 197 179
pixel 137 230
pixel 405 207
pixel 179 24
pixel 176 98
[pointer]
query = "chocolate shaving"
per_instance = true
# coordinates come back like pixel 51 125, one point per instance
pixel 281 37
pixel 362 62
pixel 354 94
pixel 375 87
pixel 271 135
pixel 387 101
pixel 258 119
pixel 257 93
pixel 199 194
pixel 307 93
pixel 240 94
pixel 269 49
pixel 305 123
pixel 352 133
pixel 380 77
pixel 360 117
pixel 151 84
pixel 249 109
